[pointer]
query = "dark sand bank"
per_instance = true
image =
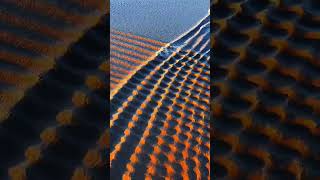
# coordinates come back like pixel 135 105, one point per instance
pixel 52 89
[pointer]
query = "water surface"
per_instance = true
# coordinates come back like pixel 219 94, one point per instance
pixel 162 20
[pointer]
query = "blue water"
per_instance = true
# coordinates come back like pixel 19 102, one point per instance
pixel 162 20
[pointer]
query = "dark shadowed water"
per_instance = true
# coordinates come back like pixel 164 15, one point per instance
pixel 162 20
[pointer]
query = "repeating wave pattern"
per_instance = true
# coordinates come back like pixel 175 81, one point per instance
pixel 33 34
pixel 53 84
pixel 265 82
pixel 61 119
pixel 128 53
pixel 159 118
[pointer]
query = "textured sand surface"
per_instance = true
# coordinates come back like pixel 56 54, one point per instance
pixel 52 89
pixel 160 117
pixel 128 53
pixel 265 83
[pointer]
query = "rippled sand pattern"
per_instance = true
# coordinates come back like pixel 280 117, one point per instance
pixel 160 117
pixel 61 121
pixel 52 89
pixel 128 53
pixel 32 36
pixel 266 89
